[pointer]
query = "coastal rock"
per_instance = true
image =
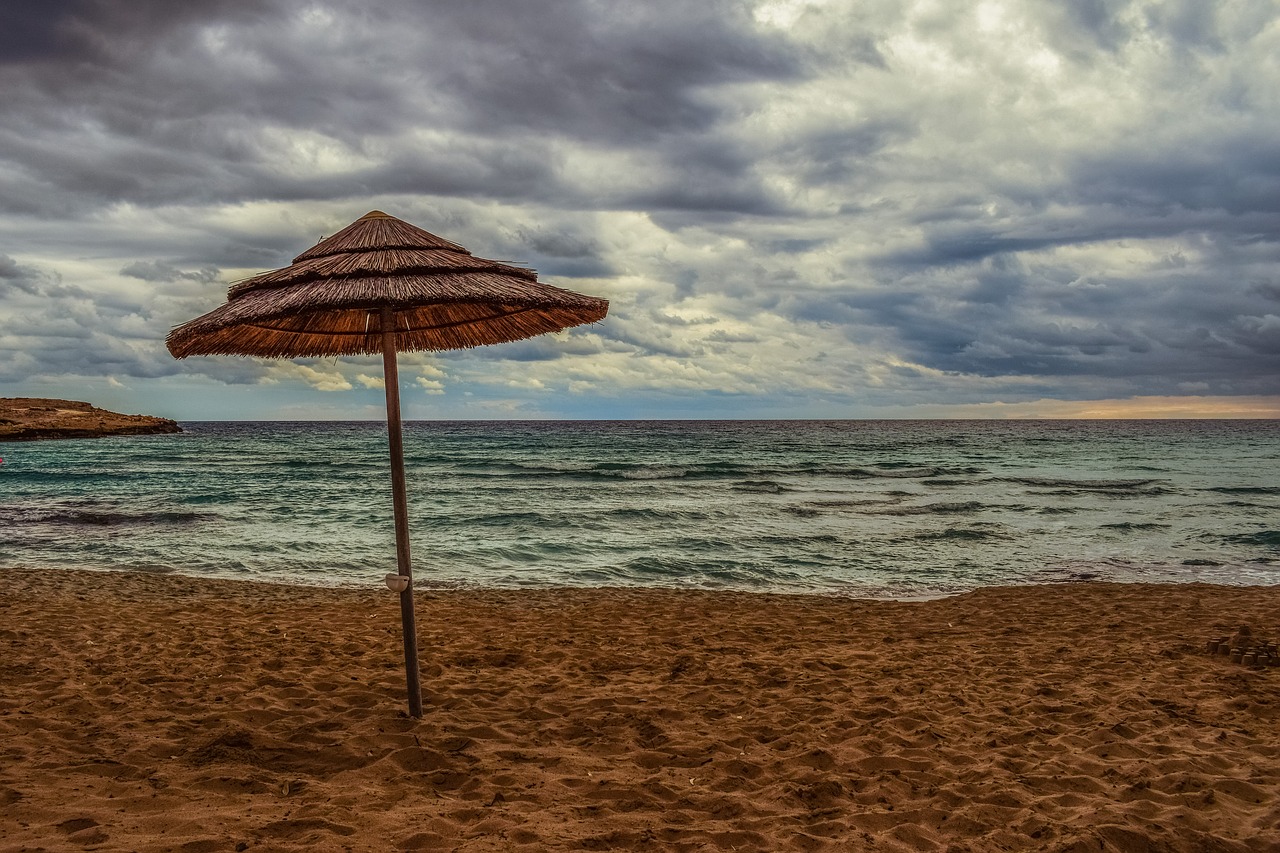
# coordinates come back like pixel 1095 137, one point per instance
pixel 33 418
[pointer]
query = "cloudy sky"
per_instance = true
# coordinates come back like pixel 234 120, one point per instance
pixel 797 208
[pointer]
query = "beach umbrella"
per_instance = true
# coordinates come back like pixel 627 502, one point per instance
pixel 381 285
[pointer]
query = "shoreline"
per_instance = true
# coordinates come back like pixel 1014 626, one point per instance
pixel 161 712
pixel 373 585
pixel 426 584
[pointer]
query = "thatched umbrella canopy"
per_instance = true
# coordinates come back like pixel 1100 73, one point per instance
pixel 381 285
pixel 327 302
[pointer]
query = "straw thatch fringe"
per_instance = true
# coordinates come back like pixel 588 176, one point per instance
pixel 327 302
pixel 356 332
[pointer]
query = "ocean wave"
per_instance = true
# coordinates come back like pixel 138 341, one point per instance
pixel 944 508
pixel 1067 486
pixel 544 467
pixel 720 470
pixel 587 473
pixel 527 553
pixel 791 540
pixel 635 513
pixel 657 566
pixel 1263 538
pixel 767 487
pixel 704 573
pixel 1135 525
pixel 1083 571
pixel 894 471
pixel 1246 490
pixel 1081 577
pixel 331 463
pixel 519 519
pixel 893 506
pixel 1250 505
pixel 98 517
pixel 655 472
pixel 961 534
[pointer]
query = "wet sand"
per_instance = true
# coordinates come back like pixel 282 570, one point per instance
pixel 156 713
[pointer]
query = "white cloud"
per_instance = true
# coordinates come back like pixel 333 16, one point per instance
pixel 327 378
pixel 430 386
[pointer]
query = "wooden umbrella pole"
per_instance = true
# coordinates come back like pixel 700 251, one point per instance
pixel 391 377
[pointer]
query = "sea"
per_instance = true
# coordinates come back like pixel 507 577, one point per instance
pixel 875 509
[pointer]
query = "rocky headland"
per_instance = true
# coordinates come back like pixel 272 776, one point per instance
pixel 34 418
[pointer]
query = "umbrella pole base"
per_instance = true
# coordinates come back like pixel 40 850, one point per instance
pixel 411 670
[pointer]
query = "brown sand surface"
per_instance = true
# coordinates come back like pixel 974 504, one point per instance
pixel 155 713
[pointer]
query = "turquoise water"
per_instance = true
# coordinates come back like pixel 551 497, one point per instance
pixel 868 508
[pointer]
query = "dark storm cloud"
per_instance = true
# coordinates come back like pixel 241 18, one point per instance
pixel 18 280
pixel 546 348
pixel 560 254
pixel 1155 335
pixel 15 275
pixel 38 31
pixel 613 73
pixel 1084 25
pixel 181 103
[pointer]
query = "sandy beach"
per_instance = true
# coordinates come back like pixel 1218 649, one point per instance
pixel 156 712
